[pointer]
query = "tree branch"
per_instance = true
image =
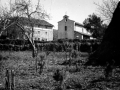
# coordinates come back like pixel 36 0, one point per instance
pixel 107 8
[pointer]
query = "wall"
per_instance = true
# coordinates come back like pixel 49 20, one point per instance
pixel 13 32
pixel 81 29
pixel 69 33
pixel 45 34
pixel 55 34
pixel 78 35
pixel 81 32
pixel 78 28
pixel 72 27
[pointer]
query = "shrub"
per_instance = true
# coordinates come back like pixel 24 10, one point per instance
pixel 72 83
pixel 0 57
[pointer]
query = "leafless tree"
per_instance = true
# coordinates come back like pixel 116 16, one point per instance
pixel 22 8
pixel 106 9
pixel 25 8
pixel 5 14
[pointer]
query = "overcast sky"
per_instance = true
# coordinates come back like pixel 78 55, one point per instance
pixel 77 10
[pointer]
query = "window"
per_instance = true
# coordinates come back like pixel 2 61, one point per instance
pixel 38 31
pixel 45 32
pixel 38 39
pixel 65 19
pixel 65 28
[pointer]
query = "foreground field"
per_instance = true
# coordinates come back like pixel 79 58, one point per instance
pixel 74 73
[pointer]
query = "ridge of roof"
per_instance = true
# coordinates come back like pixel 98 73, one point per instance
pixel 35 22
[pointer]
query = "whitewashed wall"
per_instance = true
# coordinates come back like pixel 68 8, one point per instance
pixel 43 34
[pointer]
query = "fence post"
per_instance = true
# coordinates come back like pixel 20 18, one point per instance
pixel 12 80
pixel 7 80
pixel 36 66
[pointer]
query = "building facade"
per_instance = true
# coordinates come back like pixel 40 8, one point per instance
pixel 69 29
pixel 66 28
pixel 43 31
pixel 43 34
pixel 80 32
pixel 55 34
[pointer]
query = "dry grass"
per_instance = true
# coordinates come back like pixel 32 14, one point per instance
pixel 25 77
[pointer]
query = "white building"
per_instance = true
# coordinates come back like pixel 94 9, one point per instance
pixel 83 33
pixel 43 34
pixel 43 30
pixel 69 29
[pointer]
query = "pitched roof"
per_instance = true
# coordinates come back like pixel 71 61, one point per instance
pixel 82 33
pixel 35 22
pixel 78 24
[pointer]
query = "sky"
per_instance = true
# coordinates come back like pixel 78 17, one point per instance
pixel 77 10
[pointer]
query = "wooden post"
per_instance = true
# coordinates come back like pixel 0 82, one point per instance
pixel 12 80
pixel 7 80
pixel 36 65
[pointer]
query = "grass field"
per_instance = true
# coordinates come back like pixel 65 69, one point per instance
pixel 26 77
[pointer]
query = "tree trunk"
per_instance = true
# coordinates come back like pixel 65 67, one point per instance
pixel 109 49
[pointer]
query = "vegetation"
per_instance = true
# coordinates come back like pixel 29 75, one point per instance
pixel 107 53
pixel 73 77
pixel 106 9
pixel 57 46
pixel 22 8
pixel 95 26
pixel 64 69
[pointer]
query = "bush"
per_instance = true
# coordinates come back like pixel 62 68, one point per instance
pixel 0 57
pixel 72 83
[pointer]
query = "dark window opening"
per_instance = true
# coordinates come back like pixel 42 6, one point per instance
pixel 65 28
pixel 65 19
pixel 38 39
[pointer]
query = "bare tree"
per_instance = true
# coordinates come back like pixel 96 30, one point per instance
pixel 24 8
pixel 106 9
pixel 6 12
